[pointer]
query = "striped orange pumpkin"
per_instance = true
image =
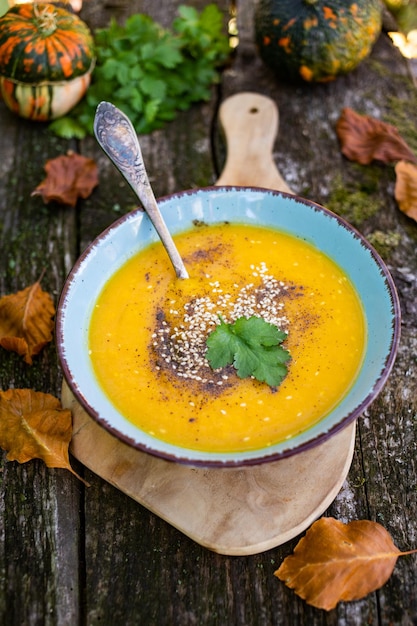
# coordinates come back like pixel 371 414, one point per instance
pixel 46 59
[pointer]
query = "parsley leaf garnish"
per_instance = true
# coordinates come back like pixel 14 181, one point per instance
pixel 252 346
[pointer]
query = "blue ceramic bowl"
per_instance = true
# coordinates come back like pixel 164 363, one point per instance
pixel 297 216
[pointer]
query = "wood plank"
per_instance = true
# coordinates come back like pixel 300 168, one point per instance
pixel 39 519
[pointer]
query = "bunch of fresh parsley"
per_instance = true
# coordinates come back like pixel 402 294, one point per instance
pixel 150 72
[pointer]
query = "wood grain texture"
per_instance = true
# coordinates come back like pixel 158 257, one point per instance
pixel 250 123
pixel 232 511
pixel 39 509
pixel 97 557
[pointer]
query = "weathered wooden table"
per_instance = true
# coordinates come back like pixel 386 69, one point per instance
pixel 76 555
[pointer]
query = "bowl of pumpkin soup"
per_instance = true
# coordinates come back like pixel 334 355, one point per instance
pixel 285 331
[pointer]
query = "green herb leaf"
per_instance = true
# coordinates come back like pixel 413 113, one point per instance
pixel 67 128
pixel 151 73
pixel 252 346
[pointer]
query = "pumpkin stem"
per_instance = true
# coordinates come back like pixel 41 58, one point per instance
pixel 46 18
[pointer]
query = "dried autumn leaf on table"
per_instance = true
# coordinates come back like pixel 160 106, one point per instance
pixel 33 425
pixel 336 561
pixel 364 139
pixel 69 177
pixel 26 321
pixel 406 188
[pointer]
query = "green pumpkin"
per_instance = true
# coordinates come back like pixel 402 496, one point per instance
pixel 316 40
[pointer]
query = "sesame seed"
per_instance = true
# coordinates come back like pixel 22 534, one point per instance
pixel 180 335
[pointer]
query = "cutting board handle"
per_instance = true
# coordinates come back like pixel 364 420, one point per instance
pixel 250 124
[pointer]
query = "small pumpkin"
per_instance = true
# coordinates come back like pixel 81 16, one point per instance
pixel 316 40
pixel 46 60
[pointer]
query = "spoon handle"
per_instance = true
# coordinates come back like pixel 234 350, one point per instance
pixel 117 137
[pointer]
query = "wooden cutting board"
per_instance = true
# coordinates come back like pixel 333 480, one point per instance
pixel 233 511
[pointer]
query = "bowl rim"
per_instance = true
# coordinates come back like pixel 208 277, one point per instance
pixel 322 437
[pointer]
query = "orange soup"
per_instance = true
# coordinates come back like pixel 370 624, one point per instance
pixel 148 334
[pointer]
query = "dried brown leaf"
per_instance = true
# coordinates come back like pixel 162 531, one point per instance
pixel 406 188
pixel 33 425
pixel 69 177
pixel 336 561
pixel 26 321
pixel 364 139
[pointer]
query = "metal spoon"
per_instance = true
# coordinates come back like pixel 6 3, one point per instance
pixel 116 135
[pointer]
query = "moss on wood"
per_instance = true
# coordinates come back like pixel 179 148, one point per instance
pixel 384 243
pixel 402 115
pixel 356 201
